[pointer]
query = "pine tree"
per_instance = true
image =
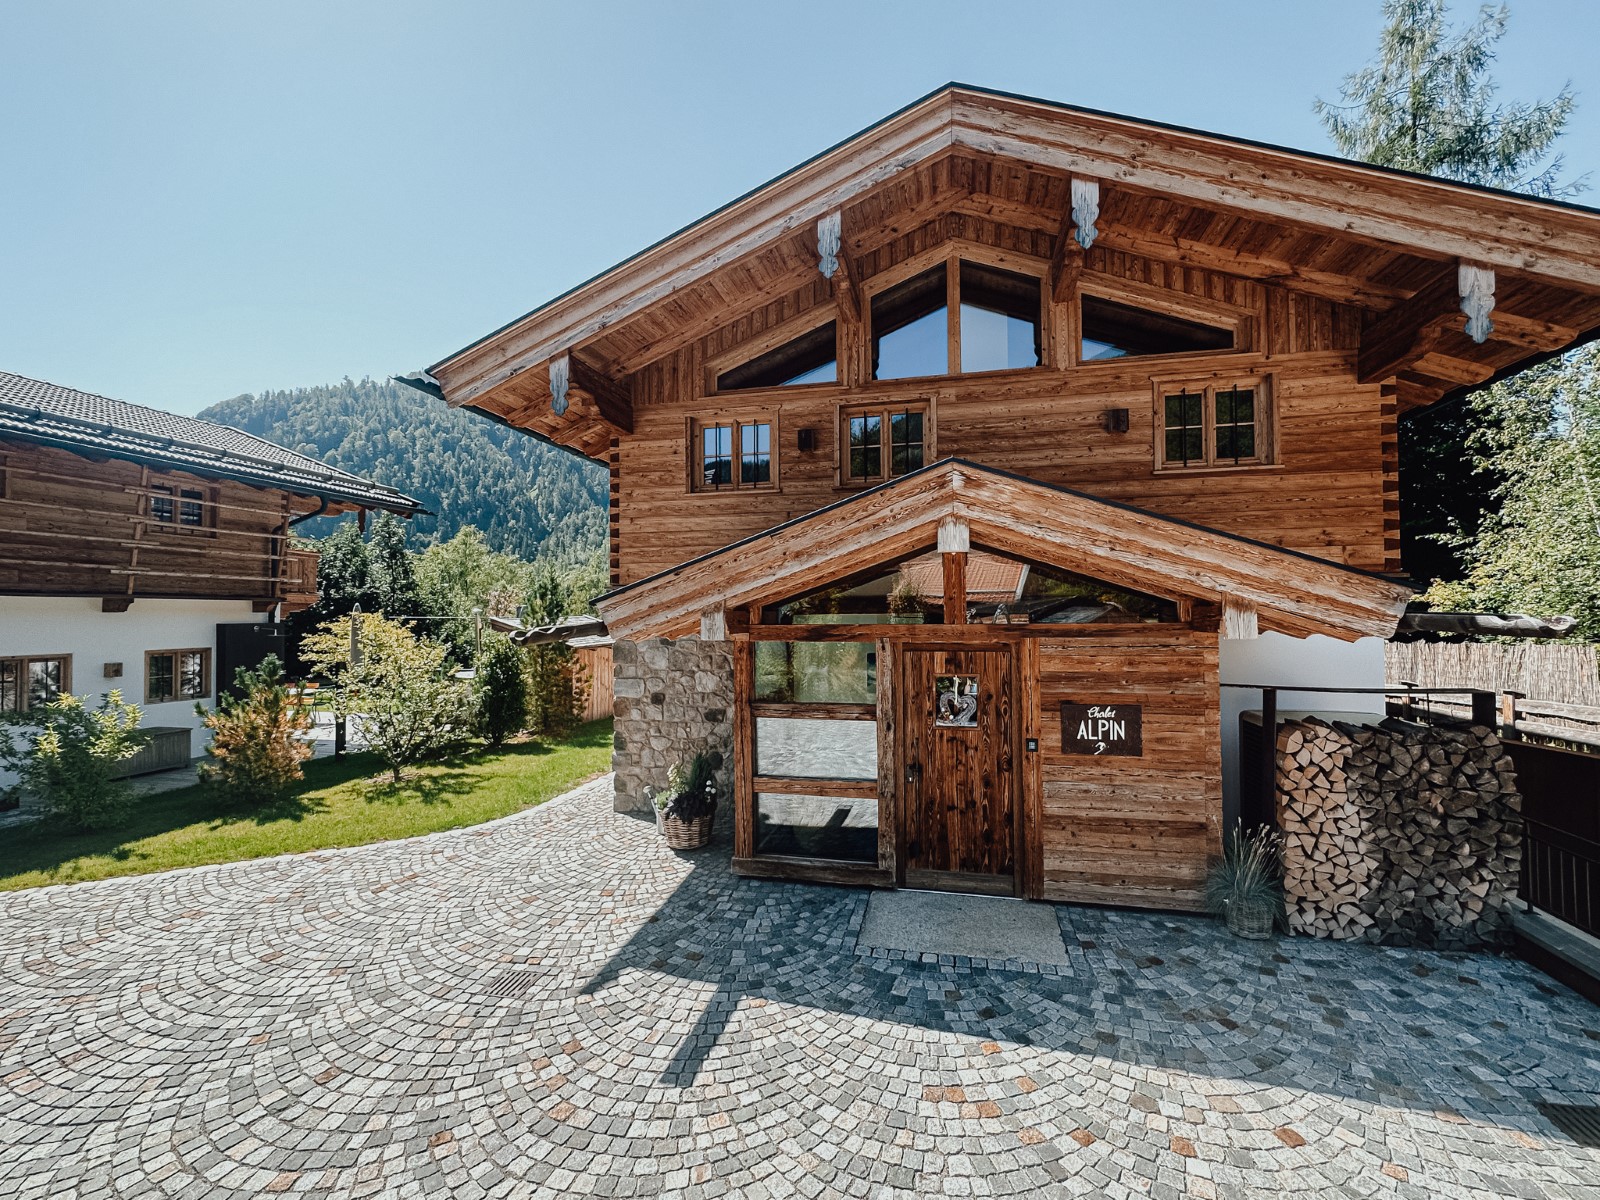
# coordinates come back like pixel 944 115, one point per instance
pixel 1428 104
pixel 394 575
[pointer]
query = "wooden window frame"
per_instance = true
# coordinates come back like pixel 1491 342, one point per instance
pixel 178 696
pixel 1265 422
pixel 696 427
pixel 174 492
pixel 885 409
pixel 773 339
pixel 950 255
pixel 23 662
pixel 1239 322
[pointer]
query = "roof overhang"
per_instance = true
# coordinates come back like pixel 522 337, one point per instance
pixel 1291 592
pixel 1541 239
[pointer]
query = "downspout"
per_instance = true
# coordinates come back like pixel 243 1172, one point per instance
pixel 322 507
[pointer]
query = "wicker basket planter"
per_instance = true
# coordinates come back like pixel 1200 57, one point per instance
pixel 685 835
pixel 1253 921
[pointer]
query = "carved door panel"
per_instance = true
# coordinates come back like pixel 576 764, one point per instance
pixel 958 755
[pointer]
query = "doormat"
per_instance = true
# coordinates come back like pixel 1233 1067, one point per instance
pixel 989 928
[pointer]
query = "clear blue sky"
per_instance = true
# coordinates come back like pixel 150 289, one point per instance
pixel 206 198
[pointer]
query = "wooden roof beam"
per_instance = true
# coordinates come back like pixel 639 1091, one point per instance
pixel 571 377
pixel 613 399
pixel 1413 329
pixel 833 260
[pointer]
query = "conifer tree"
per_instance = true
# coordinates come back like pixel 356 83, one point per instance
pixel 1428 103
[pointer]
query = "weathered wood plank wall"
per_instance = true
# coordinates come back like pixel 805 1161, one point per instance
pixel 1132 830
pixel 69 526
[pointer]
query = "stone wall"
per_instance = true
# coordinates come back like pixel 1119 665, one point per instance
pixel 671 699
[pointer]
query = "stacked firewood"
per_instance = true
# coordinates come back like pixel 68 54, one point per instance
pixel 1398 833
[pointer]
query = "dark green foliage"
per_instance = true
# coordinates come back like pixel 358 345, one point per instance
pixel 1427 103
pixel 394 576
pixel 1539 551
pixel 1445 491
pixel 501 690
pixel 555 694
pixel 255 749
pixel 691 790
pixel 529 499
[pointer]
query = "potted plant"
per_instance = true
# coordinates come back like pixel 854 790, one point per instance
pixel 687 806
pixel 1246 886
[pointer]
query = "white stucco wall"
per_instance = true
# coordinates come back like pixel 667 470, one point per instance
pixel 1275 658
pixel 49 625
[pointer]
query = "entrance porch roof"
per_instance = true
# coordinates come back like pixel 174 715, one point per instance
pixel 1290 592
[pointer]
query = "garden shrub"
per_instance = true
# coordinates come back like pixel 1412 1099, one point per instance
pixel 400 686
pixel 68 755
pixel 501 690
pixel 255 753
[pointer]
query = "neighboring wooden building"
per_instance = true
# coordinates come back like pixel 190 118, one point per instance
pixel 146 551
pixel 997 417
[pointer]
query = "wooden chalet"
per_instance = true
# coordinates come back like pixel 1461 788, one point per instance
pixel 956 471
pixel 146 551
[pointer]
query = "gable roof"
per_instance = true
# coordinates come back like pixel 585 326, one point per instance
pixel 1291 592
pixel 1548 240
pixel 32 410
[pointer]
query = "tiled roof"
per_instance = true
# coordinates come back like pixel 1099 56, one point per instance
pixel 35 411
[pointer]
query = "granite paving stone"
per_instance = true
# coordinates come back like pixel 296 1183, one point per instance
pixel 556 1004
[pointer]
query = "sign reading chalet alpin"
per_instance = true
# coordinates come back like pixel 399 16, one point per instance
pixel 1104 729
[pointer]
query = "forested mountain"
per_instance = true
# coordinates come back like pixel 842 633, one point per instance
pixel 528 498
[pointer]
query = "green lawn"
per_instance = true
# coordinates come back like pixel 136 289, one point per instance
pixel 341 803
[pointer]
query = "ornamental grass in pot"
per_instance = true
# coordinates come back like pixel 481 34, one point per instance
pixel 686 807
pixel 1246 886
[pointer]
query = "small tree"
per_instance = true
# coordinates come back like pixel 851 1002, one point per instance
pixel 411 707
pixel 501 690
pixel 255 753
pixel 554 690
pixel 70 754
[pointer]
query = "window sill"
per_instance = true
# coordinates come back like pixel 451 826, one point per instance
pixel 725 493
pixel 1231 469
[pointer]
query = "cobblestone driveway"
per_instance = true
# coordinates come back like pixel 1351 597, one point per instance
pixel 554 1004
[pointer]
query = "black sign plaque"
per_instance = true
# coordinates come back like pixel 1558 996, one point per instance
pixel 1102 729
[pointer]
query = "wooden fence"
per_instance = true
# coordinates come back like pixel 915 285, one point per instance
pixel 1556 673
pixel 594 662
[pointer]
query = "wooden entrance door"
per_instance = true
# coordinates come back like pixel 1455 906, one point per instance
pixel 958 758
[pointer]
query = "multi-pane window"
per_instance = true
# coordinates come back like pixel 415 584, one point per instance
pixel 882 443
pixel 997 324
pixel 26 682
pixel 176 675
pixel 182 507
pixel 1235 419
pixel 732 454
pixel 1213 425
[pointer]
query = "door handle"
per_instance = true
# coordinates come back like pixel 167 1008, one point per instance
pixel 913 772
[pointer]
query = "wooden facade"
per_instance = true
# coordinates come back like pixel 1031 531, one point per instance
pixel 1008 804
pixel 1228 449
pixel 70 526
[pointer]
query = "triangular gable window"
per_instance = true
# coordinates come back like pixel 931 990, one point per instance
pixel 1115 330
pixel 810 358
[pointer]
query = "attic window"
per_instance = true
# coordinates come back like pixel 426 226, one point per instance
pixel 810 358
pixel 997 326
pixel 1113 330
pixel 999 319
pixel 911 327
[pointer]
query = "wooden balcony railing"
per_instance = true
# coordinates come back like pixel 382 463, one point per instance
pixel 298 589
